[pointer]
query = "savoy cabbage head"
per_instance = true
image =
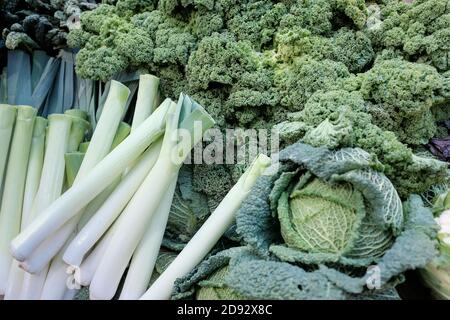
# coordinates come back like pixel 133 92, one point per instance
pixel 326 225
pixel 332 206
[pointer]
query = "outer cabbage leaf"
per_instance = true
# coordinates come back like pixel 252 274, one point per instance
pixel 357 231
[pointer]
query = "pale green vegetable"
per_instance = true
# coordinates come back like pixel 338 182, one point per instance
pixel 79 128
pixel 48 245
pixel 74 199
pixel 35 163
pixel 52 176
pixel 122 132
pixel 210 232
pixel 55 285
pixel 56 282
pixel 73 164
pixel 144 257
pixel 148 197
pixel 146 99
pixel 34 169
pixel 7 119
pixel 77 113
pixel 83 147
pixel 14 186
pixel 50 188
pixel 85 272
pixel 112 207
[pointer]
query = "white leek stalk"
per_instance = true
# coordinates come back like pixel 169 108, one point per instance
pixel 144 258
pixel 147 198
pixel 12 201
pixel 35 162
pixel 85 272
pixel 7 119
pixel 86 187
pixel 34 170
pixel 112 207
pixel 50 188
pixel 105 131
pixel 122 132
pixel 79 128
pixel 146 103
pixel 52 176
pixel 51 246
pixel 55 286
pixel 146 99
pixel 208 235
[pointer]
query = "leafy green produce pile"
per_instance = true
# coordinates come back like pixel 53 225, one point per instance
pixel 327 219
pixel 359 93
pixel 290 64
pixel 371 76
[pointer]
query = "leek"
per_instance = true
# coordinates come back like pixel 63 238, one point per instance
pixel 146 99
pixel 45 252
pixel 79 128
pixel 35 162
pixel 85 272
pixel 50 188
pixel 14 186
pixel 119 195
pixel 62 210
pixel 208 235
pixel 144 258
pixel 73 163
pixel 111 208
pixel 84 147
pixel 145 202
pixel 7 119
pixel 122 132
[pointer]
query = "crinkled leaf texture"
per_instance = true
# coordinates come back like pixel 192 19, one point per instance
pixel 366 209
pixel 252 277
pixel 242 273
pixel 239 273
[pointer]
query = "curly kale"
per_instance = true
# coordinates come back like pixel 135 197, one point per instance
pixel 299 80
pixel 420 31
pixel 253 99
pixel 173 41
pixel 219 60
pixel 257 22
pixel 405 93
pixel 368 76
pixel 136 39
pixel 343 120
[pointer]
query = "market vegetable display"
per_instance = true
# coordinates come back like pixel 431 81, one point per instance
pixel 99 122
pixel 263 63
pixel 332 215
